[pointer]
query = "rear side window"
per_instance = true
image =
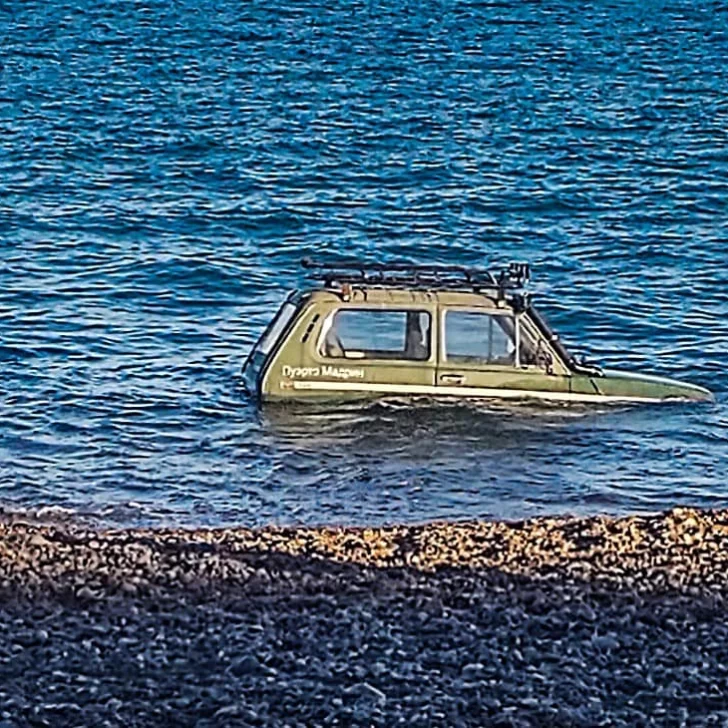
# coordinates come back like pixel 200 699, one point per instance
pixel 377 334
pixel 480 337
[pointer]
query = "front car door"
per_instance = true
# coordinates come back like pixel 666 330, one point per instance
pixel 494 352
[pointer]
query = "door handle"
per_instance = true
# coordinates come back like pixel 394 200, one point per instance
pixel 452 378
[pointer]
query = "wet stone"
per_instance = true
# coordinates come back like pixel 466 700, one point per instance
pixel 546 622
pixel 246 666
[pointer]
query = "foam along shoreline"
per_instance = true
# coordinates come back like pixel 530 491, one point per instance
pixel 553 621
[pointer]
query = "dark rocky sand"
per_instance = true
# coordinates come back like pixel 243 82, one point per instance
pixel 549 622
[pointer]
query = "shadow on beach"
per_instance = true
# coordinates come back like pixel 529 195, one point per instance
pixel 335 627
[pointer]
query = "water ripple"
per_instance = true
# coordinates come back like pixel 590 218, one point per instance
pixel 163 169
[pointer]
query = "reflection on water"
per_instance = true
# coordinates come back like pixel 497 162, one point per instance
pixel 478 459
pixel 411 425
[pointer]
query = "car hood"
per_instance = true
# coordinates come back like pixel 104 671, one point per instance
pixel 672 387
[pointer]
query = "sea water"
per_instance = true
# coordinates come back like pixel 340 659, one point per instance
pixel 165 165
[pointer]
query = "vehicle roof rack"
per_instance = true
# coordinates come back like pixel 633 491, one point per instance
pixel 409 275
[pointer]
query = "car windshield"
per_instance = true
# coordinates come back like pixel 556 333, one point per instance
pixel 545 332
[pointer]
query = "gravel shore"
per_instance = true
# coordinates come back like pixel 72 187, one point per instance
pixel 547 622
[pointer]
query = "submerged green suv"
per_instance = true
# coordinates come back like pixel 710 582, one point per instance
pixel 435 331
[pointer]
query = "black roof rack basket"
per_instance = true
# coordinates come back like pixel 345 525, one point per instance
pixel 410 275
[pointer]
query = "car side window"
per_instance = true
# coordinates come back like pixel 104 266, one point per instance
pixel 377 334
pixel 479 337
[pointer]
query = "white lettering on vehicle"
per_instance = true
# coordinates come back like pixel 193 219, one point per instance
pixel 342 372
pixel 300 372
pixel 325 371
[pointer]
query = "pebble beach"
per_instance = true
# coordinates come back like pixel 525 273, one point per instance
pixel 544 622
pixel 164 167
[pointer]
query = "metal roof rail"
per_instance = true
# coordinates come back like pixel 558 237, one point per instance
pixel 411 275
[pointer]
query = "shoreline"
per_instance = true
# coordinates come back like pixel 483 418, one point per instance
pixel 549 621
pixel 679 549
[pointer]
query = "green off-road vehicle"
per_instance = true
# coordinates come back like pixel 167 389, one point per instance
pixel 434 331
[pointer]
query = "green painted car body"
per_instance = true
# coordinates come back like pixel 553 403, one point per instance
pixel 377 338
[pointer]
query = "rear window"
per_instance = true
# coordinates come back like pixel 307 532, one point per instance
pixel 280 322
pixel 377 334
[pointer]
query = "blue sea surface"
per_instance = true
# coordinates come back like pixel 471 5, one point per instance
pixel 165 165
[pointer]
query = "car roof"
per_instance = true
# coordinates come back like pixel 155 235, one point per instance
pixel 365 295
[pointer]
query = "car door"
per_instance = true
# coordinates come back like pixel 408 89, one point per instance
pixel 492 352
